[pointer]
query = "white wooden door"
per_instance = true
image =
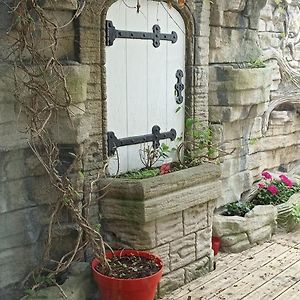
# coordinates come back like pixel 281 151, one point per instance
pixel 141 78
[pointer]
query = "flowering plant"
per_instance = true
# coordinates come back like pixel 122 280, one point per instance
pixel 275 191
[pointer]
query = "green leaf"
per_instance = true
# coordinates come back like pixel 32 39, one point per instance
pixel 189 123
pixel 178 109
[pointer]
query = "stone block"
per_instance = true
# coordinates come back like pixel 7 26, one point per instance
pixel 171 282
pixel 229 114
pixel 27 192
pixel 25 257
pixel 273 159
pixel 164 253
pixel 28 226
pixel 235 79
pixel 260 235
pixel 132 234
pixel 79 285
pixel 169 228
pixel 266 13
pixel 235 5
pixel 7 112
pixel 202 51
pixel 203 242
pixel 263 211
pixel 66 131
pixel 195 218
pixel 230 240
pixel 235 185
pixel 224 225
pixel 77 78
pixel 275 142
pixel 11 137
pixel 211 205
pixel 256 130
pixel 197 269
pixel 182 251
pixel 231 97
pixel 60 5
pixel 261 26
pixel 238 247
pixel 233 165
pixel 234 45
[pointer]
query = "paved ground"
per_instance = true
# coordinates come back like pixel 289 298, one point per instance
pixel 268 271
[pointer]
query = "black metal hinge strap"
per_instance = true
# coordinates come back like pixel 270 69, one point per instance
pixel 113 142
pixel 156 36
pixel 179 87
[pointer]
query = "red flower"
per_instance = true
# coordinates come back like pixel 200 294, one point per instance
pixel 266 175
pixel 164 169
pixel 286 180
pixel 272 189
pixel 261 185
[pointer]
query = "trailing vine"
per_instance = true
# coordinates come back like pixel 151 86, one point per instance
pixel 41 92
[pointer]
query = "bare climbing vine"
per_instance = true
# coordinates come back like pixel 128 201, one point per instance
pixel 41 92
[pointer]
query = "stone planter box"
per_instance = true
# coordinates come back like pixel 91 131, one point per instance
pixel 240 233
pixel 238 93
pixel 170 215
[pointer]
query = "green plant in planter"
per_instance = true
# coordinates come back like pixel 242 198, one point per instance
pixel 238 208
pixel 274 191
pixel 198 146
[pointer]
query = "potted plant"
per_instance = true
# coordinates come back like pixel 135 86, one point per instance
pixel 132 275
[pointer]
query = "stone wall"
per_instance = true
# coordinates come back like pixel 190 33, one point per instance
pixel 242 96
pixel 26 194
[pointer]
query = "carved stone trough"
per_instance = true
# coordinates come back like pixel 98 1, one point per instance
pixel 170 215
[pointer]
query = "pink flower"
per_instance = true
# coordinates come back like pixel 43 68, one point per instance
pixel 261 185
pixel 286 180
pixel 266 175
pixel 272 189
pixel 164 169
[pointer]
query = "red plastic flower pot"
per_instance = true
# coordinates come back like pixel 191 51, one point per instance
pixel 127 289
pixel 215 244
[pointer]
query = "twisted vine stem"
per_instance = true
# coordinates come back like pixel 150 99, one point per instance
pixel 37 78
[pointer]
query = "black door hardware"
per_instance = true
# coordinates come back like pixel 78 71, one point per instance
pixel 179 87
pixel 156 36
pixel 113 142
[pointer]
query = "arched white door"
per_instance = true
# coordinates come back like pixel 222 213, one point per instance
pixel 141 75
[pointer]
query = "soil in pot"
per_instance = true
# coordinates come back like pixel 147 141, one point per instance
pixel 132 267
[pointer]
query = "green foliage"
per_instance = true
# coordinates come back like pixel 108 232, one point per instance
pixel 265 197
pixel 149 156
pixel 164 150
pixel 200 143
pixel 257 63
pixel 295 213
pixel 141 174
pixel 252 141
pixel 238 208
